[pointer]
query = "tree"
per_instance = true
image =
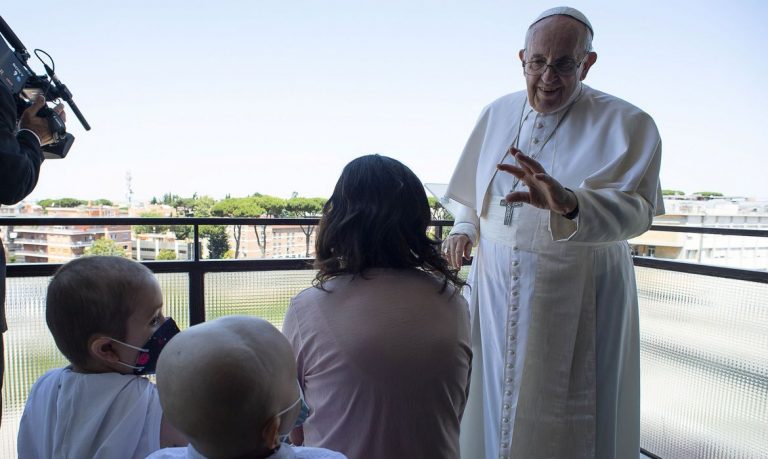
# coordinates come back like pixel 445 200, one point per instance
pixel 436 210
pixel 672 193
pixel 195 206
pixel 170 198
pixel 237 207
pixel 305 207
pixel 273 207
pixel 218 241
pixel 166 254
pixel 200 206
pixel 182 232
pixel 105 246
pixel 150 229
pixel 708 194
pixel 63 202
pixel 70 202
pixel 103 202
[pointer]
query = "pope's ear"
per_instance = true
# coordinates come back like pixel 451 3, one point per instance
pixel 100 349
pixel 521 54
pixel 588 63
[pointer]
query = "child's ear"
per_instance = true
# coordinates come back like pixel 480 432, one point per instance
pixel 271 432
pixel 100 349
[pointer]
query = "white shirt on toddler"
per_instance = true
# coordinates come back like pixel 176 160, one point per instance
pixel 283 452
pixel 93 415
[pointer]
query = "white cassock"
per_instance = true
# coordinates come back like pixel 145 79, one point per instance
pixel 554 301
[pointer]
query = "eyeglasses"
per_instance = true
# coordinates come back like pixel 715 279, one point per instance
pixel 564 67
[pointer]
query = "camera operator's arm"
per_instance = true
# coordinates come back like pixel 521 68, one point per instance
pixel 20 154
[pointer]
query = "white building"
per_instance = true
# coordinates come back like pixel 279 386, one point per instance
pixel 710 249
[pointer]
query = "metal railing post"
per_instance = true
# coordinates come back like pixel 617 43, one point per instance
pixel 196 283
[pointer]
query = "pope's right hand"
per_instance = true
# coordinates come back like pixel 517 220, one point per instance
pixel 457 247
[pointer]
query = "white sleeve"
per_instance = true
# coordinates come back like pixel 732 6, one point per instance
pixel 466 222
pixel 604 215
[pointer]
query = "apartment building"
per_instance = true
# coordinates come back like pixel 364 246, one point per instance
pixel 734 251
pixel 61 243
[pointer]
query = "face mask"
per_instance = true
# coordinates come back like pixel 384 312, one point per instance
pixel 303 413
pixel 148 354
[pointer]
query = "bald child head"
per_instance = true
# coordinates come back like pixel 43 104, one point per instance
pixel 223 382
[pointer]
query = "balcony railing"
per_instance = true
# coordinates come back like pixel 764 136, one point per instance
pixel 704 332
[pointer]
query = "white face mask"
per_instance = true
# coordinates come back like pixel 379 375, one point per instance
pixel 302 414
pixel 290 407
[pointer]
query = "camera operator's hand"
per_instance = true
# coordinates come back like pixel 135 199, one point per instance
pixel 30 120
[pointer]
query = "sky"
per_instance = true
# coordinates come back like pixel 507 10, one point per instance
pixel 237 97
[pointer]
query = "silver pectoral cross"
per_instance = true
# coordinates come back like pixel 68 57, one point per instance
pixel 510 209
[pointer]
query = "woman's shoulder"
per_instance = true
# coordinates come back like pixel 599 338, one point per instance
pixel 409 283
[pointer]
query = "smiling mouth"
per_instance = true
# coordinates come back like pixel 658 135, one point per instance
pixel 548 91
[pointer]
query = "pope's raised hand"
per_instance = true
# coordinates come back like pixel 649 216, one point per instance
pixel 544 191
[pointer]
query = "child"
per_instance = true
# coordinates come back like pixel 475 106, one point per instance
pixel 105 314
pixel 230 386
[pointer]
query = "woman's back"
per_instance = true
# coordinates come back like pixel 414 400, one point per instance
pixel 384 362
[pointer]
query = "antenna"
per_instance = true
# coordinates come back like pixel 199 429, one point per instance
pixel 129 190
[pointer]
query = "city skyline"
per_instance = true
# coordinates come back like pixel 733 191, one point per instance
pixel 244 97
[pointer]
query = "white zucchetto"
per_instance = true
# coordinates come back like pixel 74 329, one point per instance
pixel 565 11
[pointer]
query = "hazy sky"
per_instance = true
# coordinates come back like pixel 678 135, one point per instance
pixel 237 97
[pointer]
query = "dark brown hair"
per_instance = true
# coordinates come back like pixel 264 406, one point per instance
pixel 377 217
pixel 92 295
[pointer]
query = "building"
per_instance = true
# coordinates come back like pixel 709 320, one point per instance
pixel 61 243
pixel 273 241
pixel 149 246
pixel 733 251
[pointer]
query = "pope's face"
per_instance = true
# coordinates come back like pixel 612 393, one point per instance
pixel 554 40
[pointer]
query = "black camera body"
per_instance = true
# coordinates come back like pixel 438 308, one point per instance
pixel 26 86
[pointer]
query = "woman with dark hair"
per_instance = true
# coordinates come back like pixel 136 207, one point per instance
pixel 382 338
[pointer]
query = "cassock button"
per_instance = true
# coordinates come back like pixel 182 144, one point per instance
pixel 506 406
pixel 515 263
pixel 539 125
pixel 505 420
pixel 507 393
pixel 515 278
pixel 515 293
pixel 535 140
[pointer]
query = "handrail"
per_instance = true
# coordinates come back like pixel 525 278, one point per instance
pixel 711 230
pixel 175 221
pixel 189 221
pixel 198 265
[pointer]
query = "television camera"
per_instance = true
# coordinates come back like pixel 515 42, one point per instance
pixel 26 86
